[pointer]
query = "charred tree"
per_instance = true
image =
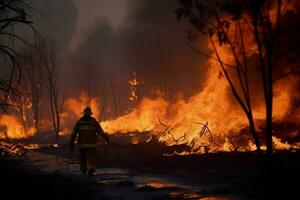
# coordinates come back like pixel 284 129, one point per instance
pixel 53 85
pixel 13 14
pixel 103 96
pixel 115 97
pixel 230 24
pixel 33 84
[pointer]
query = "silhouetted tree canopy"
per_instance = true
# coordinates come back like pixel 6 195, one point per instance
pixel 14 14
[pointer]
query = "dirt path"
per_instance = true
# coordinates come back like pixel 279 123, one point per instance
pixel 116 183
pixel 138 172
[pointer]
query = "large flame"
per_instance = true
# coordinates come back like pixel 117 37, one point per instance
pixel 210 118
pixel 13 129
pixel 140 119
pixel 179 122
pixel 76 105
pixel 212 111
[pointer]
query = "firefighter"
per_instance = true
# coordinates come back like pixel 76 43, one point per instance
pixel 87 129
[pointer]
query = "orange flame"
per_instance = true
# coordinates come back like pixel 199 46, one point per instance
pixel 76 105
pixel 178 123
pixel 211 112
pixel 11 128
pixel 133 85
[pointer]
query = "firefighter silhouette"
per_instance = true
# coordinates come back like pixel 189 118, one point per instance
pixel 87 129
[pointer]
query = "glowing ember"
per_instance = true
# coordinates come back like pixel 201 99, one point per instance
pixel 11 149
pixel 133 84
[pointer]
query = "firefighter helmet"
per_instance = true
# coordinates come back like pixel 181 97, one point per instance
pixel 87 111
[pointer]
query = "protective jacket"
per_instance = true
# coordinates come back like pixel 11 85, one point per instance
pixel 87 129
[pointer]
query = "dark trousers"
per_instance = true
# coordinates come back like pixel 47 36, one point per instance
pixel 88 158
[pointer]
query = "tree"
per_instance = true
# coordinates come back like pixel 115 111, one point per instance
pixel 33 83
pixel 56 96
pixel 246 29
pixel 13 14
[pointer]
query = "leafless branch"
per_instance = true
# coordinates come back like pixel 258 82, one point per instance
pixel 234 146
pixel 162 123
pixel 168 131
pixel 180 139
pixel 204 130
pixel 14 13
pixel 209 56
pixel 285 75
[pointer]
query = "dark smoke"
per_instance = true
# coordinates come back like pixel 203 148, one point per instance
pixel 151 42
pixel 56 20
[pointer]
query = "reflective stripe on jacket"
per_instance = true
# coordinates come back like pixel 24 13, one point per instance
pixel 87 145
pixel 87 129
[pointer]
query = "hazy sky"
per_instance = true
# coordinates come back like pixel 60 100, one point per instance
pixel 70 22
pixel 90 12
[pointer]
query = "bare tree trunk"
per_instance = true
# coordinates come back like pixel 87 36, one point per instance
pixel 266 67
pixel 115 101
pixel 269 120
pixel 57 130
pixel 52 114
pixel 55 97
pixel 21 107
pixel 253 132
pixel 36 112
pixel 58 111
pixel 32 85
pixel 245 106
pixel 103 104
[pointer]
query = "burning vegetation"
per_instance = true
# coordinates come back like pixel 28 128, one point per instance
pixel 204 105
pixel 228 112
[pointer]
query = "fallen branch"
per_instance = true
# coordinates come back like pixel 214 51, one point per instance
pixel 182 138
pixel 11 149
pixel 204 130
pixel 168 131
pixel 235 147
pixel 167 127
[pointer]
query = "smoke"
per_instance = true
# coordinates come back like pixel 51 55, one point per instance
pixel 56 20
pixel 89 13
pixel 149 41
pixel 109 40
